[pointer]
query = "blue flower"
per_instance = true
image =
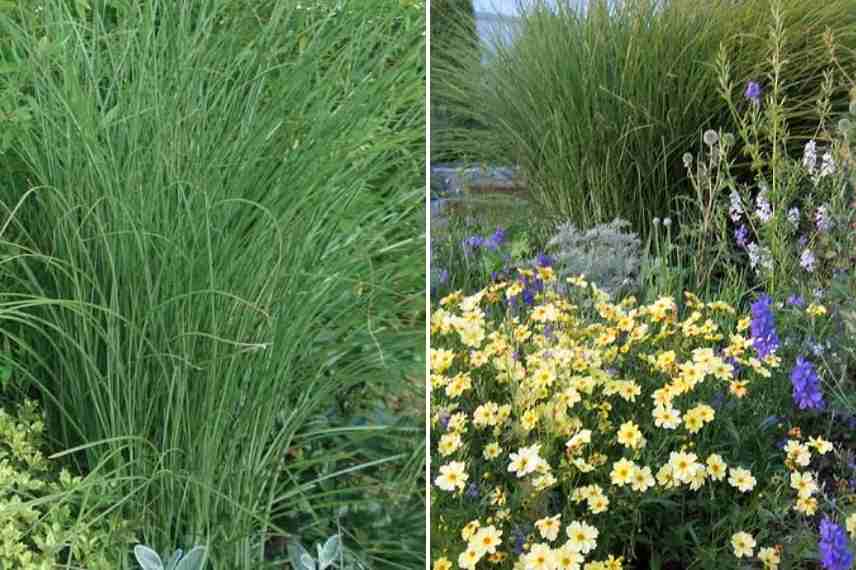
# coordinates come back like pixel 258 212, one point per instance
pixel 544 260
pixel 741 234
pixel 763 327
pixel 807 392
pixel 795 301
pixel 753 92
pixel 496 240
pixel 472 491
pixel 834 554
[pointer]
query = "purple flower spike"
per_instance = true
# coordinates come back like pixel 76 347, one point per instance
pixel 753 92
pixel 834 553
pixel 807 393
pixel 763 327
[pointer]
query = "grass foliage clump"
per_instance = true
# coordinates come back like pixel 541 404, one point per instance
pixel 597 105
pixel 193 272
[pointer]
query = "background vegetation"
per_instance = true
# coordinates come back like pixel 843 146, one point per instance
pixel 598 106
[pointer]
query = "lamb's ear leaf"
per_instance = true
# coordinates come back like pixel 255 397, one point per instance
pixel 173 560
pixel 328 555
pixel 193 560
pixel 295 554
pixel 148 558
pixel 307 562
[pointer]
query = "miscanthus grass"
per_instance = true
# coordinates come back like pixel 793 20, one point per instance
pixel 192 272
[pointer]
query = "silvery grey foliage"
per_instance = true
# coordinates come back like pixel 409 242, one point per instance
pixel 150 560
pixel 607 255
pixel 330 555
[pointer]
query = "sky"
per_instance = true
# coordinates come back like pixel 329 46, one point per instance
pixel 507 7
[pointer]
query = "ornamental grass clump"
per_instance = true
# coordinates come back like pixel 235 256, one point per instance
pixel 197 268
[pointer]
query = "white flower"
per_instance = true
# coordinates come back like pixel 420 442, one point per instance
pixel 810 156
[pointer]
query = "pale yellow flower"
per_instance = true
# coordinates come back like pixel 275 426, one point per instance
pixel 743 543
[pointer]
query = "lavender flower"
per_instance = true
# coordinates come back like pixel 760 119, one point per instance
pixel 794 217
pixel 810 156
pixel 834 553
pixel 763 327
pixel 472 491
pixel 795 301
pixel 762 206
pixel 735 210
pixel 823 219
pixel 753 92
pixel 807 392
pixel 827 166
pixel 741 234
pixel 759 257
pixel 807 260
pixel 444 276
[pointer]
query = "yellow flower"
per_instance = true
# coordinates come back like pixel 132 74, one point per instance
pixel 806 505
pixel 486 540
pixel 741 479
pixel 693 422
pixel 798 453
pixel 622 472
pixel 470 529
pixel 582 537
pixel 540 557
pixel 743 543
pixel 441 360
pixel 598 504
pixel 630 436
pixel 769 556
pixel 458 385
pixel 851 525
pixel 452 476
pixel 469 558
pixel 683 465
pixel 568 559
pixel 525 461
pixel 642 479
pixel 529 420
pixel 549 527
pixel 442 564
pixel 485 415
pixel 738 388
pixel 820 445
pixel 580 439
pixel 804 484
pixel 449 443
pixel 815 310
pixel 716 467
pixel 491 451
